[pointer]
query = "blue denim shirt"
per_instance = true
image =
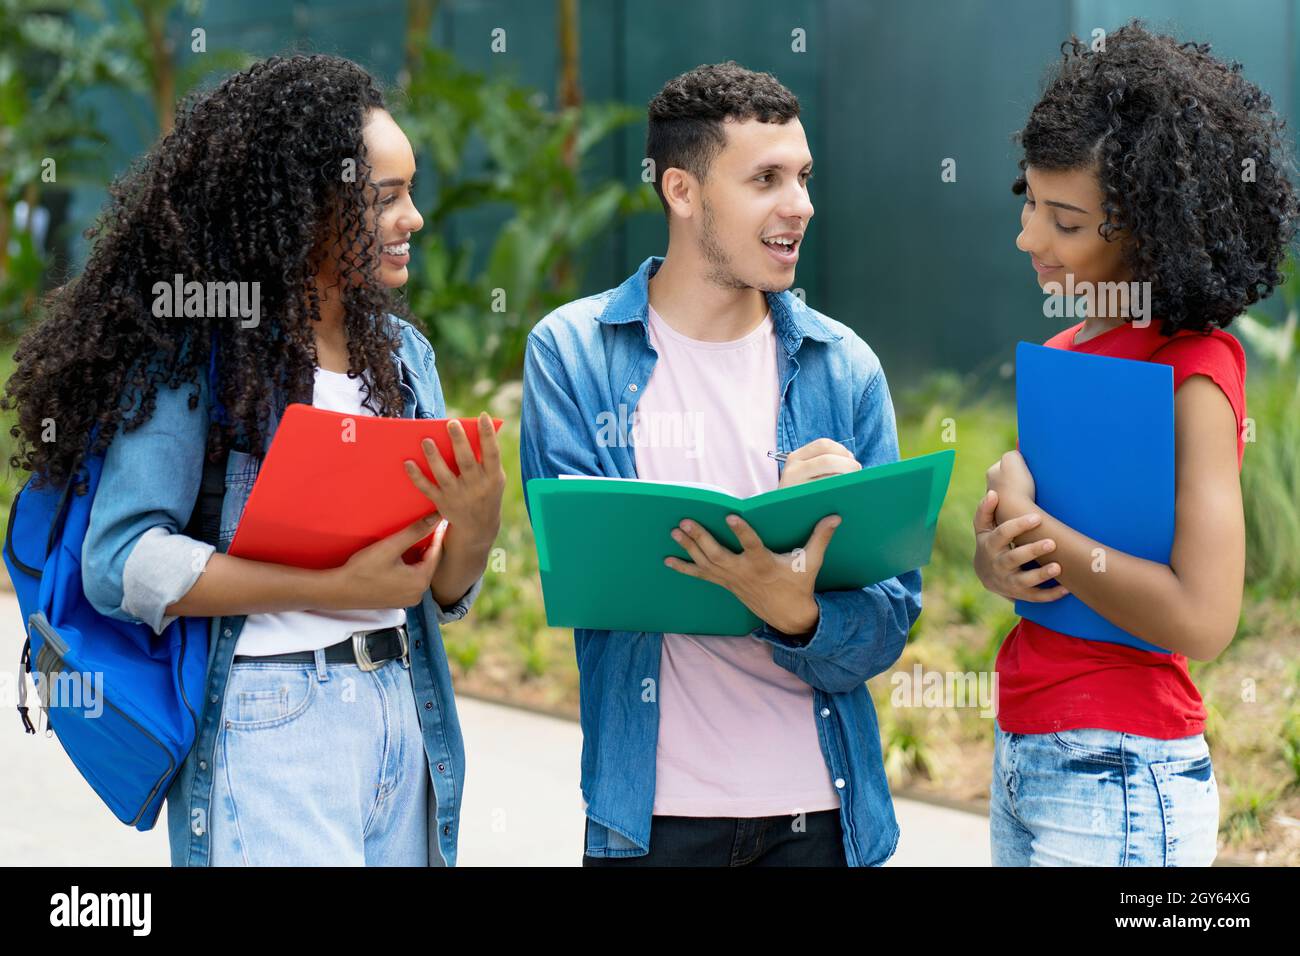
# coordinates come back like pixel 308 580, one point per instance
pixel 147 491
pixel 586 365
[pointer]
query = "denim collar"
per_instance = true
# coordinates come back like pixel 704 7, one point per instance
pixel 791 318
pixel 406 378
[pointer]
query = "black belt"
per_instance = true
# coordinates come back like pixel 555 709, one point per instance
pixel 369 650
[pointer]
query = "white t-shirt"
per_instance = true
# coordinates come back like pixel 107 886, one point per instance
pixel 286 631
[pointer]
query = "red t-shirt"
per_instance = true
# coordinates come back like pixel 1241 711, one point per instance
pixel 1048 681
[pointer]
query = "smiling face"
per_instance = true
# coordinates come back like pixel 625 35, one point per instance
pixel 391 218
pixel 749 215
pixel 393 170
pixel 1058 228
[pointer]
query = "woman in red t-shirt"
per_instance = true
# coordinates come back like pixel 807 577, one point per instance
pixel 1152 164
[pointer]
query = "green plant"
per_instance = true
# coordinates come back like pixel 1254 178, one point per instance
pixel 904 746
pixel 463 652
pixel 497 150
pixel 1270 482
pixel 50 141
pixel 1249 807
pixel 46 139
pixel 1278 342
pixel 1291 745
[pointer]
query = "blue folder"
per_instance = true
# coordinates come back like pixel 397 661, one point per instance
pixel 1098 436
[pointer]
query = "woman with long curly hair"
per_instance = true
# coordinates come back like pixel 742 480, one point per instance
pixel 327 732
pixel 1150 164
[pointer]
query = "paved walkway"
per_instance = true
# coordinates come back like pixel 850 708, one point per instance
pixel 522 805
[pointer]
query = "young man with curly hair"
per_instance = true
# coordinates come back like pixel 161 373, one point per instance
pixel 701 749
pixel 1148 161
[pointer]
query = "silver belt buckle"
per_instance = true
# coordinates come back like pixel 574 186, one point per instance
pixel 362 652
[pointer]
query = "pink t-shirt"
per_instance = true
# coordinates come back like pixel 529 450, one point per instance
pixel 737 733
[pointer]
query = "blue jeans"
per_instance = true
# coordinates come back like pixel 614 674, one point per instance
pixel 320 765
pixel 1102 798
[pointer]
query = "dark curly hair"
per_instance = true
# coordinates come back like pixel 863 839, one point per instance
pixel 251 185
pixel 1168 129
pixel 685 129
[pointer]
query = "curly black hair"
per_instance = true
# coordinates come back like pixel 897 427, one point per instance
pixel 253 184
pixel 1172 134
pixel 686 116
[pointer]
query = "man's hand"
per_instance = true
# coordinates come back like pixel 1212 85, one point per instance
pixel 778 588
pixel 817 459
pixel 470 501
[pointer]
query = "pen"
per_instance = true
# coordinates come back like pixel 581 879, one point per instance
pixel 778 455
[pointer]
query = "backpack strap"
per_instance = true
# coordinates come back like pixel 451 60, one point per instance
pixel 205 520
pixel 25 668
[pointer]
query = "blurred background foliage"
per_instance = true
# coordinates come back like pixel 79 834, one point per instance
pixel 478 316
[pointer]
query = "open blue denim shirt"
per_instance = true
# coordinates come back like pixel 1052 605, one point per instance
pixel 135 563
pixel 592 356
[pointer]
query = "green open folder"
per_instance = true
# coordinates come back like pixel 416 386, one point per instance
pixel 601 542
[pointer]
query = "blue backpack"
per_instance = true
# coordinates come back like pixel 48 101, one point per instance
pixel 123 700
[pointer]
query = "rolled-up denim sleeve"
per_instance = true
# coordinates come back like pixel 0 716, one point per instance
pixel 859 633
pixel 134 560
pixel 455 612
pixel 160 570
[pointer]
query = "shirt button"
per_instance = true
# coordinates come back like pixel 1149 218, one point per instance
pixel 428 705
pixel 417 644
pixel 839 783
pixel 227 632
pixel 826 711
pixel 441 767
pixel 203 765
pixel 212 699
pixel 632 387
pixel 446 831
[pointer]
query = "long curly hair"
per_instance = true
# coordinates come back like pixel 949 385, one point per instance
pixel 262 179
pixel 1191 161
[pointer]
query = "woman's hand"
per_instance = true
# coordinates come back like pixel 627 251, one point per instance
pixel 470 501
pixel 1010 478
pixel 997 561
pixel 377 576
pixel 817 459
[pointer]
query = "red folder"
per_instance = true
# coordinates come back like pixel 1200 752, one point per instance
pixel 333 483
